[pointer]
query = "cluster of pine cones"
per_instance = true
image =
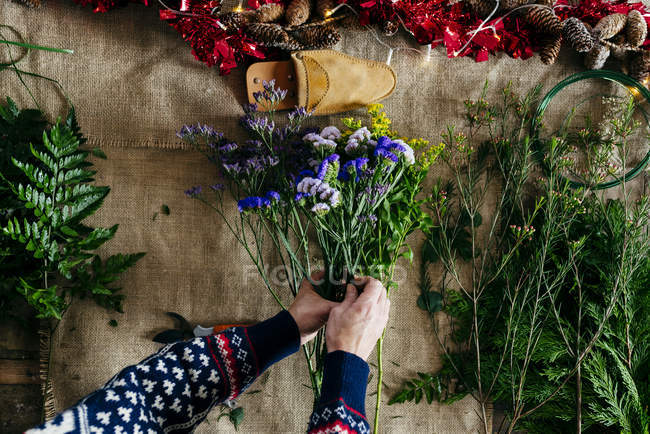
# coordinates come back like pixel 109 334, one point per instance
pixel 290 28
pixel 619 36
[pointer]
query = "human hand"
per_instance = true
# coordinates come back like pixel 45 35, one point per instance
pixel 358 322
pixel 309 310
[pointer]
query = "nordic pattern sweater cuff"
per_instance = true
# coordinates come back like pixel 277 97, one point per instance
pixel 274 339
pixel 345 377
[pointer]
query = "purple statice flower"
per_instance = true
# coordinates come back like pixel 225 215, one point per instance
pixel 218 187
pixel 316 187
pixel 312 137
pixel 304 174
pixel 320 208
pixel 232 168
pixel 362 134
pixel 206 131
pixel 328 168
pixel 270 94
pixel 353 147
pixel 330 133
pixel 372 192
pixel 250 108
pixel 307 184
pixel 252 203
pixel 356 167
pixel 385 144
pixel 257 124
pixel 298 114
pixel 193 191
pixel 408 153
pixel 367 218
pixel 300 196
pixel 386 154
pixel 272 195
pixel 186 131
pixel 228 147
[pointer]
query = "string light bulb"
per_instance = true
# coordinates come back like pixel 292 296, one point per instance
pixel 239 7
pixel 330 12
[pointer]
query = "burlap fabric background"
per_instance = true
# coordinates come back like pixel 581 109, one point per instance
pixel 134 83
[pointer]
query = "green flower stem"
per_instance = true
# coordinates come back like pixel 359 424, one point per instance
pixel 37 47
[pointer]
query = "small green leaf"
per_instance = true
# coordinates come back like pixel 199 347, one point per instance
pixel 164 209
pixel 99 153
pixel 112 323
pixel 236 416
pixel 430 301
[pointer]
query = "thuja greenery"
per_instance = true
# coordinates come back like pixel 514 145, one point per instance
pixel 544 293
pixel 47 252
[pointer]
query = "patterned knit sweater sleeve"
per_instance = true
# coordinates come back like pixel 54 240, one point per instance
pixel 175 389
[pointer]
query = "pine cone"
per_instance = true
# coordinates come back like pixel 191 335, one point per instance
pixel 544 20
pixel 548 3
pixel 268 34
pixel 317 37
pixel 292 44
pixel 550 50
pixel 618 47
pixel 236 20
pixel 482 8
pixel 610 26
pixel 639 65
pixel 269 12
pixel 298 12
pixel 577 35
pixel 596 58
pixel 30 3
pixel 511 4
pixel 636 30
pixel 323 7
pixel 389 27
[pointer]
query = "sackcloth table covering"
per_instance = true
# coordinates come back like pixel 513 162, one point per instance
pixel 134 82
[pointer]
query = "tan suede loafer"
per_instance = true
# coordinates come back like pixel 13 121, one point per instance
pixel 325 81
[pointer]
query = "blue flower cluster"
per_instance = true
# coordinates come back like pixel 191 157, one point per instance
pixel 258 202
pixel 356 168
pixel 329 168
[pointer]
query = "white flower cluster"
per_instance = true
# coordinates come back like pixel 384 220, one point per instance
pixel 359 141
pixel 320 208
pixel 325 140
pixel 320 189
pixel 409 156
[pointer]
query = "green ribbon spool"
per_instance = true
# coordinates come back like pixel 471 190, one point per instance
pixel 616 77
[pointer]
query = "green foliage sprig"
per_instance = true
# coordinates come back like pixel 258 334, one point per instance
pixel 42 223
pixel 544 297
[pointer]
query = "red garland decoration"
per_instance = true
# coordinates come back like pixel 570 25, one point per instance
pixel 106 5
pixel 435 22
pixel 199 25
pixel 438 22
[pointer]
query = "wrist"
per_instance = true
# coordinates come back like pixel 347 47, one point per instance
pixel 345 376
pixel 274 339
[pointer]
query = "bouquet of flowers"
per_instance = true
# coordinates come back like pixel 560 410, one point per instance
pixel 345 199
